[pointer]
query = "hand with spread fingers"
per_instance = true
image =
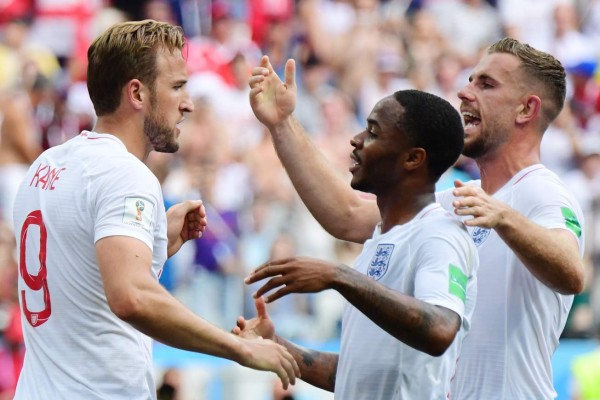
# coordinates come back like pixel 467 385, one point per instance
pixel 271 99
pixel 487 212
pixel 294 275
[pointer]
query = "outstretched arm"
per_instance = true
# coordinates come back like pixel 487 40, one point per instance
pixel 330 199
pixel 135 296
pixel 421 325
pixel 551 255
pixel 316 367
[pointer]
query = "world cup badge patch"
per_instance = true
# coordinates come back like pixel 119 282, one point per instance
pixel 479 235
pixel 138 212
pixel 380 261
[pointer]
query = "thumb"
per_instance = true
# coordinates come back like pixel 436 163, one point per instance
pixel 190 205
pixel 458 184
pixel 264 61
pixel 290 74
pixel 261 308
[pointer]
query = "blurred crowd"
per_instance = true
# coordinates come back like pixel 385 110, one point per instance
pixel 349 54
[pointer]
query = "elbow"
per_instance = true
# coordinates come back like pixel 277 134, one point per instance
pixel 578 286
pixel 353 225
pixel 346 233
pixel 572 286
pixel 127 306
pixel 438 346
pixel 440 341
pixel 574 283
pixel 442 336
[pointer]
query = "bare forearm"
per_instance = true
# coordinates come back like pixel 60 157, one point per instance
pixel 423 326
pixel 551 255
pixel 162 317
pixel 329 198
pixel 317 367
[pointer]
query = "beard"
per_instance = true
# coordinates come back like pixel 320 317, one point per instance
pixel 476 149
pixel 362 183
pixel 486 142
pixel 160 135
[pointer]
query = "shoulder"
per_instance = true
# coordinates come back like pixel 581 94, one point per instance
pixel 542 186
pixel 109 164
pixel 441 223
pixel 445 197
pixel 129 174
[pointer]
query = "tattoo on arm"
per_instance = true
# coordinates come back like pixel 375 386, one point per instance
pixel 423 326
pixel 308 359
pixel 317 367
pixel 333 373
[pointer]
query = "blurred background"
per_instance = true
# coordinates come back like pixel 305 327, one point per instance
pixel 349 54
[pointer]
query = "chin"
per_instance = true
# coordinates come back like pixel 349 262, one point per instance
pixel 169 148
pixel 360 186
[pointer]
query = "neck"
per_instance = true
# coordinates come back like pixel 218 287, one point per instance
pixel 399 209
pixel 499 167
pixel 129 131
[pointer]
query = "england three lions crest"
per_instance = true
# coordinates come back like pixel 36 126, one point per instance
pixel 380 261
pixel 479 235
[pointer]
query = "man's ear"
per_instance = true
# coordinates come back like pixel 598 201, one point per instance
pixel 529 109
pixel 136 93
pixel 415 158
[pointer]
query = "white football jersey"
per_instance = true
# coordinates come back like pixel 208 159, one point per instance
pixel 433 259
pixel 75 194
pixel 518 320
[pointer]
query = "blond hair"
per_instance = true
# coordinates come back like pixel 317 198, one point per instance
pixel 127 51
pixel 540 68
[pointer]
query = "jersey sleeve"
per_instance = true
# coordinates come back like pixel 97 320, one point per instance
pixel 552 206
pixel 127 204
pixel 445 268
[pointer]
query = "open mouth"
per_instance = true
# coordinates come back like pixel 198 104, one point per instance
pixel 470 119
pixel 178 126
pixel 355 163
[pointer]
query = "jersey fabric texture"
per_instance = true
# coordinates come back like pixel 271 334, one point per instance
pixel 518 320
pixel 75 194
pixel 433 259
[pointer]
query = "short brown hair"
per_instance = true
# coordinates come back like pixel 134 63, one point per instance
pixel 126 51
pixel 543 68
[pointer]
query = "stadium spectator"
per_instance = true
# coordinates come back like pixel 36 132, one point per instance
pixel 472 25
pixel 20 139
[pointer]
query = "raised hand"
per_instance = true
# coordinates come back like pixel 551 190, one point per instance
pixel 271 99
pixel 185 221
pixel 259 326
pixel 294 275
